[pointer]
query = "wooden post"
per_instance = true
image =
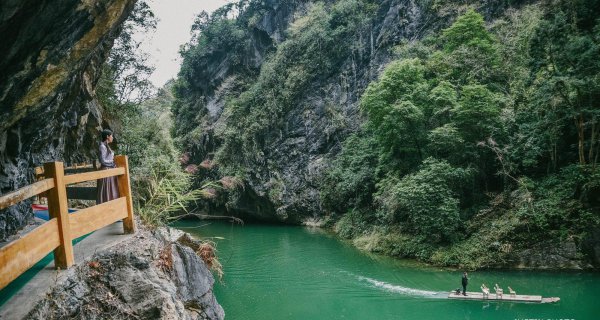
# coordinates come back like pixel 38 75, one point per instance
pixel 39 175
pixel 125 191
pixel 58 208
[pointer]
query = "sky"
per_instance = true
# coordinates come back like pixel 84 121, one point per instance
pixel 173 30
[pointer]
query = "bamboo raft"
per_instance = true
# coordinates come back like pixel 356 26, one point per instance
pixel 504 297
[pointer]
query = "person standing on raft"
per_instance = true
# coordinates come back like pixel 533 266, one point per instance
pixel 108 188
pixel 465 282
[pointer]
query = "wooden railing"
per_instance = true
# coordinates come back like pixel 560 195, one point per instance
pixel 57 234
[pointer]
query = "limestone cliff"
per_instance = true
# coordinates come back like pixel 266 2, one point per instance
pixel 50 57
pixel 282 180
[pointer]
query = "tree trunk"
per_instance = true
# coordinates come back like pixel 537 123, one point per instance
pixel 593 140
pixel 581 137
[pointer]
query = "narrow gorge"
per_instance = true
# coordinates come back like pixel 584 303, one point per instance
pixel 351 145
pixel 350 114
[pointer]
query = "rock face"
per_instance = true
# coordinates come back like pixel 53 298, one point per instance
pixel 50 57
pixel 591 246
pixel 285 187
pixel 552 256
pixel 151 276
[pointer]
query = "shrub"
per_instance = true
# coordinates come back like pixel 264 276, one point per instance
pixel 164 193
pixel 350 181
pixel 425 202
pixel 353 223
pixel 558 203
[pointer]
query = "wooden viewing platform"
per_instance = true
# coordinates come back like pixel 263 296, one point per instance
pixel 504 297
pixel 57 233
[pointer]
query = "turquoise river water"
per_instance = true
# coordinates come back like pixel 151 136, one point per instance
pixel 284 272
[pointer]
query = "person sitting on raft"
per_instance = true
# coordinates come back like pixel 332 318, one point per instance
pixel 498 290
pixel 485 290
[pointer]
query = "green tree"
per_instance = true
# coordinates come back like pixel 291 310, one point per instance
pixel 350 181
pixel 425 202
pixel 469 53
pixel 477 113
pixel 394 105
pixel 468 30
pixel 445 142
pixel 565 67
pixel 443 98
pixel 128 67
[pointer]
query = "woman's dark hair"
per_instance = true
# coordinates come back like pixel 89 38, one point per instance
pixel 105 134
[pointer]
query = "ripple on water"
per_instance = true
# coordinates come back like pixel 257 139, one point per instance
pixel 402 290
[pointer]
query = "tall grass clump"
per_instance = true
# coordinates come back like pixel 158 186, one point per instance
pixel 165 193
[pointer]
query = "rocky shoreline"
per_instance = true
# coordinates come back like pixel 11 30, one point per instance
pixel 566 255
pixel 157 274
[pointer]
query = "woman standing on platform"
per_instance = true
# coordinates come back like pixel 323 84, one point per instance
pixel 108 188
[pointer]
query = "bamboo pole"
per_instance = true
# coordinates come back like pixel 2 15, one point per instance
pixel 58 208
pixel 125 191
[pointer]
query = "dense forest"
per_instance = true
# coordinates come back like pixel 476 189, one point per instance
pixel 470 137
pixel 478 141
